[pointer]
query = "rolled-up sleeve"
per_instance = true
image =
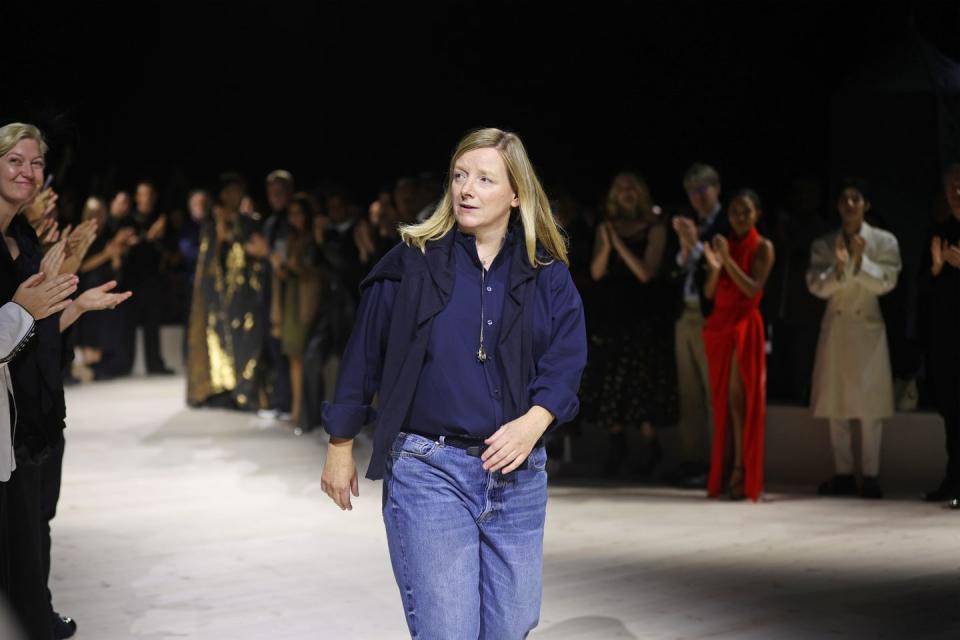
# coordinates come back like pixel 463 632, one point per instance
pixel 362 364
pixel 559 367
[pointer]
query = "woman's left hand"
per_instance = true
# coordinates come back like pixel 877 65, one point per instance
pixel 722 248
pixel 512 443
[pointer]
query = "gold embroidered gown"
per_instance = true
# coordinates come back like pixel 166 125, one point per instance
pixel 224 336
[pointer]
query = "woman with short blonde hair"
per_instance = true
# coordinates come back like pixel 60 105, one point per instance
pixel 472 335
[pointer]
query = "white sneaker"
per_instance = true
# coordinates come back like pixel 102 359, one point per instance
pixel 268 414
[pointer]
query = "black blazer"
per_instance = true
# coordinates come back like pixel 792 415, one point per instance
pixel 719 226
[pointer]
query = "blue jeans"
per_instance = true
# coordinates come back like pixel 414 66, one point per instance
pixel 466 545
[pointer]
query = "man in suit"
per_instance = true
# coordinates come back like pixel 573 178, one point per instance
pixel 702 184
pixel 943 290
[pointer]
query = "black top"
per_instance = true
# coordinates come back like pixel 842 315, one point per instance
pixel 143 260
pixel 944 294
pixel 37 383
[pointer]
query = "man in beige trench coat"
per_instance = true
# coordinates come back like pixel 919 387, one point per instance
pixel 851 268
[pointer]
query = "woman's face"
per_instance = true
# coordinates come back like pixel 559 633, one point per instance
pixel 120 206
pixel 852 206
pixel 627 195
pixel 21 172
pixel 296 217
pixel 952 186
pixel 231 196
pixel 743 215
pixel 481 192
pixel 198 206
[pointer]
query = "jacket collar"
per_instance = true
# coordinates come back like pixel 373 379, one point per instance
pixel 440 264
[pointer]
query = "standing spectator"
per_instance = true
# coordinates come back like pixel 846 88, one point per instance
pixel 702 184
pixel 632 380
pixel 198 210
pixel 943 291
pixel 851 268
pixel 739 264
pixel 224 340
pixel 298 276
pixel 95 334
pixel 31 494
pixel 142 274
pixel 276 229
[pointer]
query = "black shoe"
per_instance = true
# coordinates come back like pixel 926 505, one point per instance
pixel 695 481
pixel 690 475
pixel 841 484
pixel 870 489
pixel 942 493
pixel 651 457
pixel 63 627
pixel 162 371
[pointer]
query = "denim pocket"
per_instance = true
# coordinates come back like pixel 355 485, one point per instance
pixel 413 446
pixel 537 460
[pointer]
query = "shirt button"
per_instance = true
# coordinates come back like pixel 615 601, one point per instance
pixel 496 393
pixel 489 288
pixel 489 322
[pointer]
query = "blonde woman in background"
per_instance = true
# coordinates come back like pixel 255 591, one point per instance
pixel 632 374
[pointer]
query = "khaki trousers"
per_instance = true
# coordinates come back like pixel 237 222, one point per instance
pixel 693 380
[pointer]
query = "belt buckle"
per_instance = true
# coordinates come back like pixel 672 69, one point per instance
pixel 475 450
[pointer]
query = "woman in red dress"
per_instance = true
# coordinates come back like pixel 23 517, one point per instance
pixel 734 338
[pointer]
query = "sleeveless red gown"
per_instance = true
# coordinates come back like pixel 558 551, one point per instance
pixel 736 327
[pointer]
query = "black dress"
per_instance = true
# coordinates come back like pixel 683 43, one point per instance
pixel 98 330
pixel 631 373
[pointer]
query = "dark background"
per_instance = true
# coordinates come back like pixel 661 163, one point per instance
pixel 359 93
pixel 362 92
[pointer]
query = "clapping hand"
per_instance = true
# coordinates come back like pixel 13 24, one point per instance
pixel 98 298
pixel 53 259
pixel 41 207
pixel 722 248
pixel 42 296
pixel 951 255
pixel 687 233
pixel 857 247
pixel 157 228
pixel 840 253
pixel 714 262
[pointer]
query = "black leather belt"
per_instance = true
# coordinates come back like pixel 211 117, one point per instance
pixel 472 446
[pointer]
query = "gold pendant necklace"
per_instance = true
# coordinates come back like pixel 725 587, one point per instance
pixel 481 352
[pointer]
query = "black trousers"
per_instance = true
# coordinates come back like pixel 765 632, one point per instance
pixel 29 504
pixel 945 371
pixel 143 309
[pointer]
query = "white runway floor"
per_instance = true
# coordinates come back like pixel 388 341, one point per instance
pixel 178 523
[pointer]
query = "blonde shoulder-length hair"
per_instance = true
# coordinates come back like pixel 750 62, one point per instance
pixel 14 132
pixel 539 225
pixel 644 200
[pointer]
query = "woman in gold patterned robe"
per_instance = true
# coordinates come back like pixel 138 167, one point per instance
pixel 224 339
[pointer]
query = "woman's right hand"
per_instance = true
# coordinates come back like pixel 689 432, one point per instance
pixel 42 296
pixel 339 477
pixel 53 259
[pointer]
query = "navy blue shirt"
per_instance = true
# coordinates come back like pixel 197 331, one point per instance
pixel 538 352
pixel 471 391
